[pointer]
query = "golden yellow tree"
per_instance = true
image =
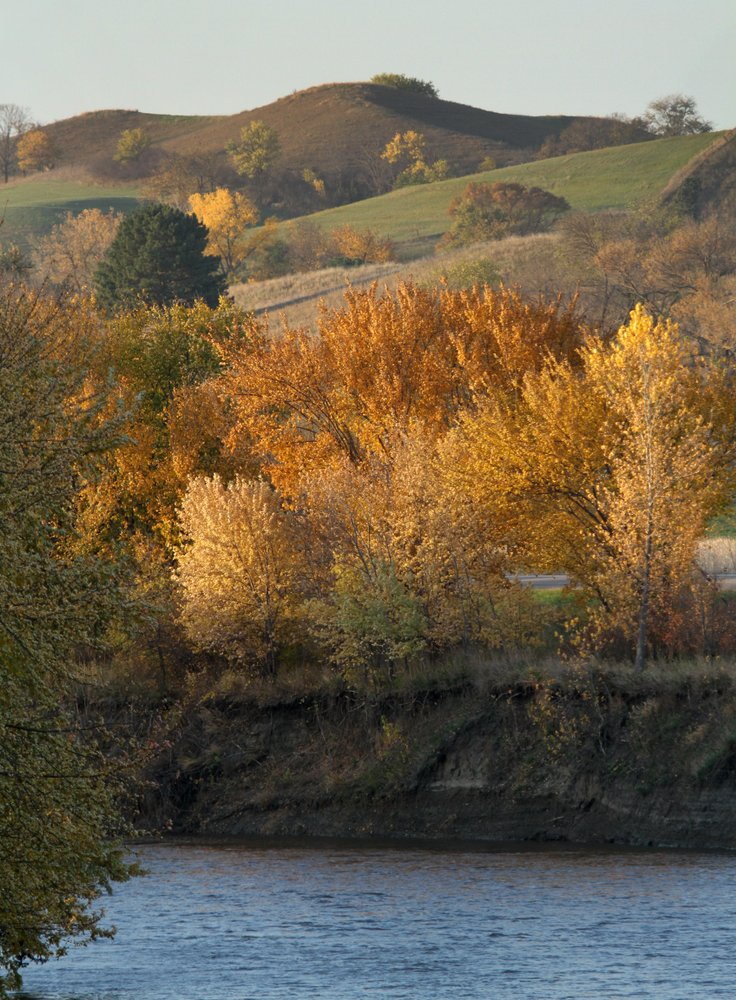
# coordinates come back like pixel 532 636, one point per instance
pixel 240 573
pixel 609 472
pixel 227 215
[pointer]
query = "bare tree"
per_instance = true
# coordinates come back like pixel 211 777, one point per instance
pixel 675 114
pixel 14 121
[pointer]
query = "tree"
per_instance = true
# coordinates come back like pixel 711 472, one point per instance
pixel 409 83
pixel 240 573
pixel 158 256
pixel 57 789
pixel 256 151
pixel 35 151
pixel 71 253
pixel 14 121
pixel 408 149
pixel 227 215
pixel 492 211
pixel 132 142
pixel 675 114
pixel 609 470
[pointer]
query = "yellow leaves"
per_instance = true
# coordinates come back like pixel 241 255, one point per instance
pixel 35 151
pixel 227 216
pixel 240 573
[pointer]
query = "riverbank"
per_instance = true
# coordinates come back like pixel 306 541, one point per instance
pixel 582 754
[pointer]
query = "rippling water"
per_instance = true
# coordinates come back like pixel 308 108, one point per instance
pixel 330 922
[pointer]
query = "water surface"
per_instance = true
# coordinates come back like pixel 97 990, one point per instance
pixel 324 921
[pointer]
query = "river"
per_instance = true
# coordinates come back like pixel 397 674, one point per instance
pixel 335 921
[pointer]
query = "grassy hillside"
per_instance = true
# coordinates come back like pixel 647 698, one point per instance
pixel 31 207
pixel 618 177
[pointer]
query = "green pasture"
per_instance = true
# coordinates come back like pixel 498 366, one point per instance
pixel 31 207
pixel 619 177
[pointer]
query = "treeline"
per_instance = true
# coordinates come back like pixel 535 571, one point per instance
pixel 364 496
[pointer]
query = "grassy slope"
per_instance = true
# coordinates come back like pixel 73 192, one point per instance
pixel 618 177
pixel 33 206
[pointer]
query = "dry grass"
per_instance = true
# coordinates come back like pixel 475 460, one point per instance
pixel 527 261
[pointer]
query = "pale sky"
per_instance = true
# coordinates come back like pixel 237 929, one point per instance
pixel 63 57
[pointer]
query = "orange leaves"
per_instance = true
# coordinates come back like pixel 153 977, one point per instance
pixel 385 364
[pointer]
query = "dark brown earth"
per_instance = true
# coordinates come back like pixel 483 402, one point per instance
pixel 585 760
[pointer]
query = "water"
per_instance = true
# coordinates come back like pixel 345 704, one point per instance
pixel 322 921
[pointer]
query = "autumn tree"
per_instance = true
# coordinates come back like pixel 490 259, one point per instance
pixel 227 216
pixel 256 151
pixel 240 572
pixel 675 114
pixel 492 211
pixel 58 818
pixel 71 253
pixel 159 356
pixel 132 142
pixel 14 122
pixel 158 256
pixel 360 246
pixel 608 471
pixel 35 151
pixel 407 152
pixel 382 363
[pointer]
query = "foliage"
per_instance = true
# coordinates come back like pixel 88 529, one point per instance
pixel 256 151
pixel 675 114
pixel 14 262
pixel 132 142
pixel 71 253
pixel 35 151
pixel 14 121
pixel 409 83
pixel 361 247
pixel 408 150
pixel 610 472
pixel 161 358
pixel 227 215
pixel 178 176
pixel 57 790
pixel 240 574
pixel 593 133
pixel 492 211
pixel 158 256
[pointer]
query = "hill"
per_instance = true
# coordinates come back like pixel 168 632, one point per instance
pixel 619 177
pixel 337 130
pixel 328 128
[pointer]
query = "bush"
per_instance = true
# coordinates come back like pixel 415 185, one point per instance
pixel 492 211
pixel 402 82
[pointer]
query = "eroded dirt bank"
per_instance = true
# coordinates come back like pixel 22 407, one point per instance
pixel 586 759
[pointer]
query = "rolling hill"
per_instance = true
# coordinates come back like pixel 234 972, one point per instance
pixel 332 129
pixel 619 177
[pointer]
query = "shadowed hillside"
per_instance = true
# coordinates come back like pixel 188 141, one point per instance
pixel 328 128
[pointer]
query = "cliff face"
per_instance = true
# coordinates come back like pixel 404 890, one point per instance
pixel 582 760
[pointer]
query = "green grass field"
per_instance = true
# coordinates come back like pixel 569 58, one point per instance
pixel 31 207
pixel 619 177
pixel 414 217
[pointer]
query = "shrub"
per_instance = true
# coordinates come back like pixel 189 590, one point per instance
pixel 402 82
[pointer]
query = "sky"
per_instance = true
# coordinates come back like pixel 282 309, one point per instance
pixel 591 57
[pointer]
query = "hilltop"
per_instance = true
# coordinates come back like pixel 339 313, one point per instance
pixel 327 128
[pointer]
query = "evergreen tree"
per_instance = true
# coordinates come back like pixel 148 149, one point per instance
pixel 159 257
